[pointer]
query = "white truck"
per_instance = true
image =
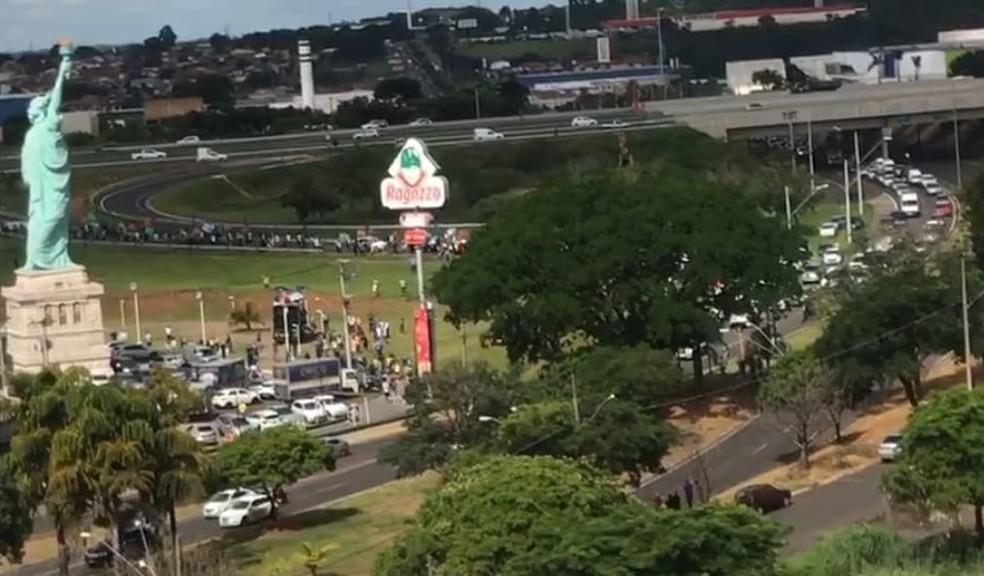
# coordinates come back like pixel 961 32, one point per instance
pixel 208 155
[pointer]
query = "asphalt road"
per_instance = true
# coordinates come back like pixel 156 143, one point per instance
pixel 354 473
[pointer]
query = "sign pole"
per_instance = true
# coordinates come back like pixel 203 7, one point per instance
pixel 418 254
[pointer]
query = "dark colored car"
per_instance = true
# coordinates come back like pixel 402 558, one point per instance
pixel 339 447
pixel 764 497
pixel 131 545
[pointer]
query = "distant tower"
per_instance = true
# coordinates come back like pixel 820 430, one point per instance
pixel 631 9
pixel 307 73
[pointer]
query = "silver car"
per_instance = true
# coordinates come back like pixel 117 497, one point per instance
pixel 289 416
pixel 204 434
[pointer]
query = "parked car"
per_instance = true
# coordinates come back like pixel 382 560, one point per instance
pixel 205 434
pixel 339 447
pixel 248 509
pixel 311 410
pixel 288 416
pixel 220 501
pixel 829 229
pixel 266 419
pixel 148 154
pixel 764 497
pixel 890 447
pixel 135 541
pixel 233 397
pixel 265 390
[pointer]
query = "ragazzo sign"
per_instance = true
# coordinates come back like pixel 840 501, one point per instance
pixel 413 181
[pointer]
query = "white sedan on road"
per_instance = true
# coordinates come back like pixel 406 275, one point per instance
pixel 148 154
pixel 366 133
pixel 220 501
pixel 583 122
pixel 616 124
pixel 250 508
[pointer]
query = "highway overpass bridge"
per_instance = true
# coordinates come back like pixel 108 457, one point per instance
pixel 853 107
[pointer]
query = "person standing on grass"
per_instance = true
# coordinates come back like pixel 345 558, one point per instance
pixel 688 491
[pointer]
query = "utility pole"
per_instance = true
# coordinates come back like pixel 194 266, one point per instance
pixel 345 313
pixel 847 198
pixel 789 209
pixel 662 59
pixel 809 145
pixel 575 403
pixel 956 147
pixel 968 371
pixel 567 18
pixel 478 106
pixel 857 173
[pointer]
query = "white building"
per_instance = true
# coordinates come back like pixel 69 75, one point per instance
pixel 739 74
pixel 327 102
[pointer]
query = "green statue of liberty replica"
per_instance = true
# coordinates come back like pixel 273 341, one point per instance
pixel 46 171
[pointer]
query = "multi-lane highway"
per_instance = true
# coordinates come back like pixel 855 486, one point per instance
pixel 436 134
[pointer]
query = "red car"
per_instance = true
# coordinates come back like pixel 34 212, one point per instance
pixel 944 207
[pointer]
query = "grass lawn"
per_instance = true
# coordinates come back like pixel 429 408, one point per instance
pixel 168 280
pixel 545 49
pixel 84 183
pixel 252 199
pixel 357 529
pixel 825 210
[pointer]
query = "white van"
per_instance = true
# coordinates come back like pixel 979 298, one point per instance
pixel 914 176
pixel 910 204
pixel 484 134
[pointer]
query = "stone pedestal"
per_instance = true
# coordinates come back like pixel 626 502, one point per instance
pixel 54 318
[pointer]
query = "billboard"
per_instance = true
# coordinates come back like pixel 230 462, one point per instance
pixel 467 24
pixel 603 46
pixel 413 182
pixel 316 369
pixel 422 340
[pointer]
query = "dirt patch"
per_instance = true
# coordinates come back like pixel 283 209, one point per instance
pixel 861 438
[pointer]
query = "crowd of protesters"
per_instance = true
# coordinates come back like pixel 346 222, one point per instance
pixel 367 241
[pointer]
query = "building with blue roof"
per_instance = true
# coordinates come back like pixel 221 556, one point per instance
pixel 14 106
pixel 597 80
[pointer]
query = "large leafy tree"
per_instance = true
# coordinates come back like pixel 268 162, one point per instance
pixel 518 515
pixel 619 258
pixel 272 458
pixel 941 465
pixel 615 436
pixel 798 390
pixel 973 201
pixel 885 328
pixel 15 513
pixel 445 414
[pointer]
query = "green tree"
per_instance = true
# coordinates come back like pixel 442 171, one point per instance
pixel 615 436
pixel 619 258
pixel 444 414
pixel 797 390
pixel 272 458
pixel 768 79
pixel 43 415
pixel 885 328
pixel 167 37
pixel 941 463
pixel 973 201
pixel 518 515
pixel 399 88
pixel 179 471
pixel 638 374
pixel 15 513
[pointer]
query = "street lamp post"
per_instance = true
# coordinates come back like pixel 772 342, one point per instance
pixel 123 315
pixel 857 173
pixel 201 314
pixel 598 409
pixel 847 198
pixel 662 58
pixel 968 372
pixel 136 309
pixel 956 148
pixel 345 312
pixel 790 116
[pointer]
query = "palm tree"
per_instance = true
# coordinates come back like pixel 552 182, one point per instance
pixel 178 472
pixel 53 479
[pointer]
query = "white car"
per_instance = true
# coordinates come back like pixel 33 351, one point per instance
pixel 219 501
pixel 366 133
pixel 245 510
pixel 312 410
pixel 374 125
pixel 233 397
pixel 148 154
pixel 486 134
pixel 890 447
pixel 828 229
pixel 189 140
pixel 266 419
pixel 583 122
pixel 616 124
pixel 265 390
pixel 832 256
pixel 422 122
